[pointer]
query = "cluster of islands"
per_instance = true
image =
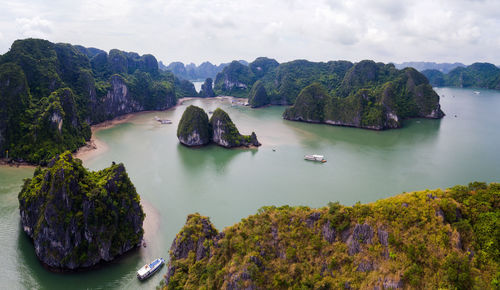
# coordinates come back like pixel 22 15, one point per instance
pixel 52 93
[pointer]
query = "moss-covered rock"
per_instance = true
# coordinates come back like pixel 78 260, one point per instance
pixel 194 128
pixel 78 218
pixel 258 96
pixel 371 95
pixel 15 100
pixel 431 239
pixel 206 89
pixel 225 133
pixel 309 106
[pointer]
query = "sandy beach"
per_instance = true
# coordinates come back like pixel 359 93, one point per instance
pixel 94 147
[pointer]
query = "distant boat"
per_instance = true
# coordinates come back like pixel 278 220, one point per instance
pixel 163 121
pixel 149 269
pixel 315 157
pixel 477 92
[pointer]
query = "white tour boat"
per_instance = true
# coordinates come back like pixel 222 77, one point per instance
pixel 315 157
pixel 149 269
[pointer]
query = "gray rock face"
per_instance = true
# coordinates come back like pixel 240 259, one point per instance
pixel 194 128
pixel 312 219
pixel 328 232
pixel 234 281
pixel 225 133
pixel 193 238
pixel 66 224
pixel 365 266
pixel 383 237
pixel 362 234
pixel 193 139
pixel 392 283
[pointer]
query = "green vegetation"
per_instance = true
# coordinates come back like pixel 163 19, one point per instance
pixel 194 128
pixel 225 133
pixel 44 83
pixel 366 94
pixel 371 95
pixel 258 96
pixel 77 218
pixel 433 239
pixel 234 80
pixel 476 75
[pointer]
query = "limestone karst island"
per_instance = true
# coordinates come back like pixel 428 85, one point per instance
pixel 249 145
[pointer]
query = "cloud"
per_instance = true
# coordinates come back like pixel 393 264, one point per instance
pixel 34 27
pixel 222 30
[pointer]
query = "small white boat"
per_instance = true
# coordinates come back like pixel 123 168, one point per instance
pixel 315 157
pixel 477 92
pixel 149 269
pixel 163 121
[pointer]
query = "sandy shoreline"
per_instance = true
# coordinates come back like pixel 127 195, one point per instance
pixel 95 147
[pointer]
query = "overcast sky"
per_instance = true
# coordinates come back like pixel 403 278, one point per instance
pixel 219 31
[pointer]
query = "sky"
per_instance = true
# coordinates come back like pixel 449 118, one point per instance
pixel 218 31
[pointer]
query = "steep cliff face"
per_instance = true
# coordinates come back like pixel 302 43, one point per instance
pixel 15 99
pixel 258 95
pixel 206 89
pixel 419 240
pixel 225 133
pixel 194 128
pixel 235 79
pixel 372 96
pixel 78 218
pixel 117 100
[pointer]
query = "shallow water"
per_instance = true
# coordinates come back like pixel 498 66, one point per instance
pixel 228 185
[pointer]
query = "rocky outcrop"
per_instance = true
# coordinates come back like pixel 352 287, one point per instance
pixel 336 246
pixel 14 97
pixel 362 234
pixel 371 96
pixel 234 79
pixel 194 128
pixel 195 235
pixel 103 86
pixel 225 133
pixel 258 96
pixel 206 89
pixel 78 218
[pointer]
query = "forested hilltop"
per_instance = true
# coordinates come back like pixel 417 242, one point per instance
pixel 432 239
pixel 51 94
pixel 477 75
pixel 364 94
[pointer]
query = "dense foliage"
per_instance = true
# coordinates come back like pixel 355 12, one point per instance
pixel 476 75
pixel 432 239
pixel 234 80
pixel 44 83
pixel 371 95
pixel 225 133
pixel 77 218
pixel 207 90
pixel 194 128
pixel 258 96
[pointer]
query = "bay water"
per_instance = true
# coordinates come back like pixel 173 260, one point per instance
pixel 228 185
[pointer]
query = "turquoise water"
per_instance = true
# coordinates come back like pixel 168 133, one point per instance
pixel 228 185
